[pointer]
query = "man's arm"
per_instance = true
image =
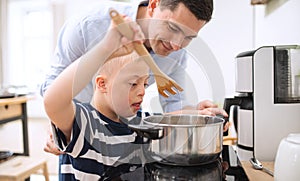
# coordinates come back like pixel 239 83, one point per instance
pixel 68 49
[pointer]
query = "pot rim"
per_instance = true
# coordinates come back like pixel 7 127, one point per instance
pixel 184 120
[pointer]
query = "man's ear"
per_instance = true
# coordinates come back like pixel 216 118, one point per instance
pixel 152 5
pixel 100 82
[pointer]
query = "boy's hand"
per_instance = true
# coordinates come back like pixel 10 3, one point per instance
pixel 121 44
pixel 50 146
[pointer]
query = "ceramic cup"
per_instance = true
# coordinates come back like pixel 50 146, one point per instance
pixel 287 161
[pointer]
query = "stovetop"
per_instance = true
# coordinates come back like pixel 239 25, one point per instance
pixel 227 167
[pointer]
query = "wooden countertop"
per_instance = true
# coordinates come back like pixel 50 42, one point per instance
pixel 257 175
pixel 16 100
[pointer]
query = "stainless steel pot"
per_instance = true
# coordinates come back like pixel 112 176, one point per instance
pixel 182 139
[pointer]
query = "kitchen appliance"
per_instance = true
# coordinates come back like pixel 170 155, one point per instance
pixel 183 139
pixel 211 171
pixel 267 101
pixel 227 167
pixel 287 162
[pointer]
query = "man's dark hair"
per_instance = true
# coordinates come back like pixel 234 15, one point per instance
pixel 202 9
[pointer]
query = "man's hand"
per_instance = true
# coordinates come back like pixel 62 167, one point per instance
pixel 209 108
pixel 206 104
pixel 205 107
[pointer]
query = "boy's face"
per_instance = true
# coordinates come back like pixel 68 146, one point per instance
pixel 126 88
pixel 170 31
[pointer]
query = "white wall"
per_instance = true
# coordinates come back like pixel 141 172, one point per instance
pixel 3 23
pixel 278 23
pixel 228 33
pixel 237 26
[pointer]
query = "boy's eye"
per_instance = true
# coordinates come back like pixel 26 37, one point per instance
pixel 132 84
pixel 188 38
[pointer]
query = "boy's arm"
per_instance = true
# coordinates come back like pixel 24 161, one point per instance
pixel 58 97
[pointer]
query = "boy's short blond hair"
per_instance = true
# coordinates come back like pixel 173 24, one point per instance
pixel 114 65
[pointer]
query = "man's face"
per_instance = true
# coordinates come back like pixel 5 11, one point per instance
pixel 170 31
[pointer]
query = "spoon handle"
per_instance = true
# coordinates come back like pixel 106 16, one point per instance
pixel 268 171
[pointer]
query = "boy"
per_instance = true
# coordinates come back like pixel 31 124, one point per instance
pixel 92 134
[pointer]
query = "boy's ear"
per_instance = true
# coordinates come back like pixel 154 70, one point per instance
pixel 100 82
pixel 152 5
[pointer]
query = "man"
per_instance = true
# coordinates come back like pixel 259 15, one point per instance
pixel 168 25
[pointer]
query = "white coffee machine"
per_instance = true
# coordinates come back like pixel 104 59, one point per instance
pixel 268 99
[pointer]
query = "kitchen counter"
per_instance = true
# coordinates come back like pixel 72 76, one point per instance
pixel 257 175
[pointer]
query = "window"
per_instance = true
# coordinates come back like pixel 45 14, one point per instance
pixel 27 47
pixel 29 42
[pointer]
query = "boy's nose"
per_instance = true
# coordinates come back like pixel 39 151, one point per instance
pixel 141 91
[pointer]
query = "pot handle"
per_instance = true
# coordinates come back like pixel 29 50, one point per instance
pixel 228 102
pixel 234 114
pixel 225 121
pixel 147 131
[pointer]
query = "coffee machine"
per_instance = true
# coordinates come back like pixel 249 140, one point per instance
pixel 267 104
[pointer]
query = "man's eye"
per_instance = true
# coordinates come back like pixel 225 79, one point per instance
pixel 146 85
pixel 172 28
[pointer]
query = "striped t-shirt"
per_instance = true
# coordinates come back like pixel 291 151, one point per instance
pixel 99 149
